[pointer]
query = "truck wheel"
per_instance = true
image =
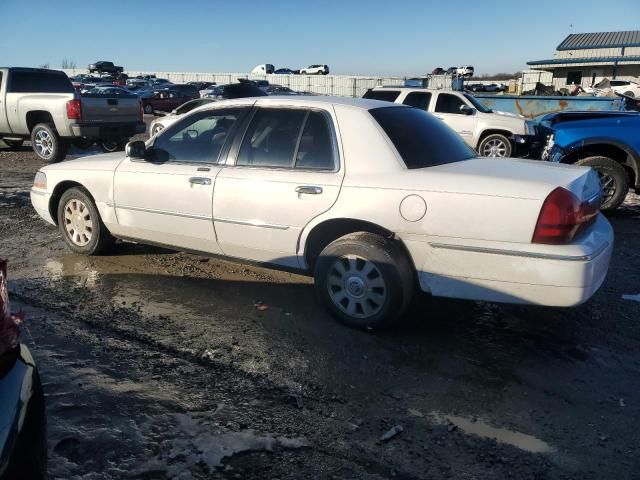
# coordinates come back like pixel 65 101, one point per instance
pixel 495 145
pixel 47 144
pixel 13 143
pixel 111 146
pixel 613 178
pixel 148 109
pixel 80 223
pixel 364 280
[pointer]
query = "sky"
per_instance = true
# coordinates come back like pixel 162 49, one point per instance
pixel 353 37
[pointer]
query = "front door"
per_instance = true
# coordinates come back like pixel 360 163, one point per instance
pixel 285 173
pixel 447 109
pixel 167 198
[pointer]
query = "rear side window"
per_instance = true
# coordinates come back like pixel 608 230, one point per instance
pixel 40 82
pixel 421 139
pixel 418 99
pixel 315 149
pixel 385 95
pixel 449 104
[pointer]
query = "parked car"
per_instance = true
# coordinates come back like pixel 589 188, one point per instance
pixel 23 432
pixel 475 87
pixel 492 87
pixel 465 71
pixel 110 90
pixel 315 70
pixel 187 90
pixel 201 85
pixel 391 201
pixel 492 134
pixel 163 100
pixel 280 90
pixel 286 71
pixel 105 67
pixel 42 105
pixel 438 71
pixel 264 69
pixel 161 123
pixel 233 90
pixel 159 82
pixel 452 71
pixel 626 87
pixel 606 141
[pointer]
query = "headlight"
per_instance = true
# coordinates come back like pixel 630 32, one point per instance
pixel 40 182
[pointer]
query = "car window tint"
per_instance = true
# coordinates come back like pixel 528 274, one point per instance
pixel 315 150
pixel 39 82
pixel 449 104
pixel 421 139
pixel 385 95
pixel 418 100
pixel 197 139
pixel 270 140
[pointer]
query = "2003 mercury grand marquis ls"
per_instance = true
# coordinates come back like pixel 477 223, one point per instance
pixel 374 199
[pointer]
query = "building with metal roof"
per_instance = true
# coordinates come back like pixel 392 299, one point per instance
pixel 587 58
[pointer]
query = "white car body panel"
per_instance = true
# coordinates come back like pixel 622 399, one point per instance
pixel 470 238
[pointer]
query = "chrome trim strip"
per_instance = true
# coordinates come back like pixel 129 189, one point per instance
pixel 514 253
pixel 38 192
pixel 252 223
pixel 163 212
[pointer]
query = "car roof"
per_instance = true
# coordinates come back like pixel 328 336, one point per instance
pixel 415 89
pixel 305 101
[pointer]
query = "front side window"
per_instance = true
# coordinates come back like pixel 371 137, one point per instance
pixel 447 103
pixel 384 95
pixel 418 99
pixel 197 139
pixel 420 138
pixel 272 138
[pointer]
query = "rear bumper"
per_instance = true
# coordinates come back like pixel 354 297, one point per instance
pixel 108 130
pixel 550 275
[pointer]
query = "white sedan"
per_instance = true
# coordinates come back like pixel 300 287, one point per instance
pixel 374 199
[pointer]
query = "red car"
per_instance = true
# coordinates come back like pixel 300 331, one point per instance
pixel 167 99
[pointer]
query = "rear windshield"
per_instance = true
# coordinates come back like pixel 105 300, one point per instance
pixel 40 82
pixel 385 95
pixel 421 139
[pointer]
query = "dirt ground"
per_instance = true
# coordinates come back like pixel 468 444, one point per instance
pixel 158 365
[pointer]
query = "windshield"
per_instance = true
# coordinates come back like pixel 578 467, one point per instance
pixel 476 104
pixel 421 139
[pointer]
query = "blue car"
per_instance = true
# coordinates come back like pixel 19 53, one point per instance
pixel 609 142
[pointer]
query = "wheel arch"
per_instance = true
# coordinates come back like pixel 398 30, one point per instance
pixel 492 131
pixel 325 232
pixel 610 148
pixel 58 191
pixel 35 117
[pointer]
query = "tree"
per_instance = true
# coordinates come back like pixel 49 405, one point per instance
pixel 44 65
pixel 68 64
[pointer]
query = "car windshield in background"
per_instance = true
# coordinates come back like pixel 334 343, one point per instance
pixel 385 95
pixel 421 139
pixel 476 104
pixel 242 90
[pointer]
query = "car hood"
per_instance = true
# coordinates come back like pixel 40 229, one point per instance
pixel 102 162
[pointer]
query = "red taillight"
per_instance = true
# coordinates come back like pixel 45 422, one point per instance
pixel 561 216
pixel 74 109
pixel 140 112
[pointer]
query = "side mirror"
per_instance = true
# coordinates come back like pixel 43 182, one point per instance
pixel 467 110
pixel 136 149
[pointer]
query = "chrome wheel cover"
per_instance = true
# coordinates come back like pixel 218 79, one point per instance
pixel 494 148
pixel 77 222
pixel 43 143
pixel 356 286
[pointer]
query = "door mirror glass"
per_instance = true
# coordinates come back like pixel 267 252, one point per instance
pixel 467 110
pixel 136 149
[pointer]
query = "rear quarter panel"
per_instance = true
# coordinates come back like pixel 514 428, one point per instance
pixel 20 104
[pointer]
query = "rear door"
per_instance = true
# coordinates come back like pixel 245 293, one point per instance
pixel 447 108
pixel 419 100
pixel 283 173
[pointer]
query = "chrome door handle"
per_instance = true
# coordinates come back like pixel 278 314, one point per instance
pixel 309 189
pixel 200 181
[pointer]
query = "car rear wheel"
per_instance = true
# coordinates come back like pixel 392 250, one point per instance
pixel 613 179
pixel 364 280
pixel 47 144
pixel 80 223
pixel 148 109
pixel 111 146
pixel 495 145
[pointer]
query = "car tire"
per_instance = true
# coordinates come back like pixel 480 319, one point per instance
pixel 495 145
pixel 613 178
pixel 47 144
pixel 365 280
pixel 148 109
pixel 80 223
pixel 110 146
pixel 13 143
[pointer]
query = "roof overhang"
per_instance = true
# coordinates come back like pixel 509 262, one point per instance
pixel 584 62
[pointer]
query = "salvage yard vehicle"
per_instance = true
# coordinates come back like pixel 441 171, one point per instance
pixel 161 123
pixel 492 134
pixel 606 141
pixel 23 436
pixel 315 70
pixel 42 105
pixel 105 67
pixel 164 100
pixel 374 199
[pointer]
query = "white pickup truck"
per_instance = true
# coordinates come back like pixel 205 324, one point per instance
pixel 42 105
pixel 492 134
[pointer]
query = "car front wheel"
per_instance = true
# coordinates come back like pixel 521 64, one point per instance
pixel 80 223
pixel 495 145
pixel 365 280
